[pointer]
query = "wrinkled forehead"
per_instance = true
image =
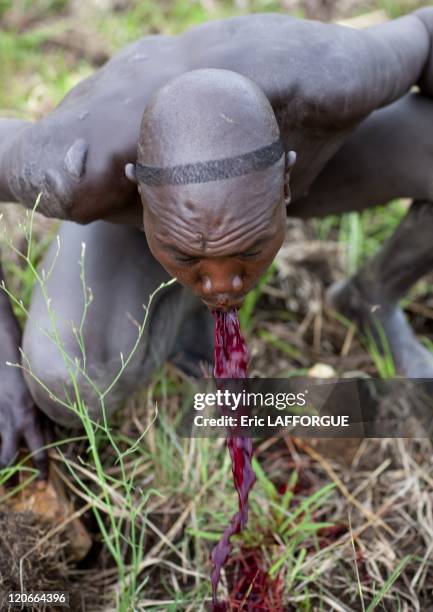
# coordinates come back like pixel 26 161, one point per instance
pixel 214 206
pixel 214 193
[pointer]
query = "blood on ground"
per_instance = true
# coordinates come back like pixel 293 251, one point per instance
pixel 231 361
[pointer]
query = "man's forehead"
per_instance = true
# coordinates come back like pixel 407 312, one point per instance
pixel 213 232
pixel 213 214
pixel 217 200
pixel 202 245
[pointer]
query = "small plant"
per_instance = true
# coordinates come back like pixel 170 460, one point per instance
pixel 379 350
pixel 121 520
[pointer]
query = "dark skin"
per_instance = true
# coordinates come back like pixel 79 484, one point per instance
pixel 338 79
pixel 221 275
pixel 19 419
pixel 235 254
pixel 317 100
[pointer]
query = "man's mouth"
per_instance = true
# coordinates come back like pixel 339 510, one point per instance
pixel 225 304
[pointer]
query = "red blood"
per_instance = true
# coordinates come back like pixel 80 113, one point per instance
pixel 231 361
pixel 230 353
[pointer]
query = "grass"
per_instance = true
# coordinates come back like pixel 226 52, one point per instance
pixel 361 233
pixel 111 524
pixel 379 350
pixel 160 501
pixel 150 474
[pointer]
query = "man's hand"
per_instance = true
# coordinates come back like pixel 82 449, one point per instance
pixel 20 421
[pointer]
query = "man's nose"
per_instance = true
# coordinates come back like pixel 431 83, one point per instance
pixel 219 279
pixel 222 284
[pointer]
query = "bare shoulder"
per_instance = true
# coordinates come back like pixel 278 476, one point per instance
pixel 75 156
pixel 316 66
pixel 319 76
pixel 316 70
pixel 327 75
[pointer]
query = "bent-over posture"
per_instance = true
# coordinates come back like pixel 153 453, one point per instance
pixel 225 130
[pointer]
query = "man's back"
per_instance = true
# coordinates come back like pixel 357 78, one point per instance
pixel 321 80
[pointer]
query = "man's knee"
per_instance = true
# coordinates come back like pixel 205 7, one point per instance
pixel 64 387
pixel 67 396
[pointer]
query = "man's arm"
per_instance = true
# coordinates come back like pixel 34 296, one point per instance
pixel 388 60
pixel 374 67
pixel 19 417
pixel 75 167
pixel 405 44
pixel 426 80
pixel 32 162
pixel 350 73
pixel 10 129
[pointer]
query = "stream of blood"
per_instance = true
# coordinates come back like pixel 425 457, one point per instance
pixel 231 361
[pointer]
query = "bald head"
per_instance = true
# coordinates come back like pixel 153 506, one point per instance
pixel 211 171
pixel 202 138
pixel 205 115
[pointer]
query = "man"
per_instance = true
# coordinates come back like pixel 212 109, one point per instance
pixel 240 117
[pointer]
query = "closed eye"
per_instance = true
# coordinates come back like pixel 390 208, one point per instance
pixel 185 259
pixel 254 250
pixel 248 254
pixel 179 256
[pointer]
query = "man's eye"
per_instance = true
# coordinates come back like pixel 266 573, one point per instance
pixel 184 259
pixel 249 254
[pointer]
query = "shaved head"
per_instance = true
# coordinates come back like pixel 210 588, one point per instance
pixel 205 115
pixel 211 174
pixel 202 138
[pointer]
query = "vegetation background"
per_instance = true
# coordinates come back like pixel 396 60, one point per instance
pixel 341 526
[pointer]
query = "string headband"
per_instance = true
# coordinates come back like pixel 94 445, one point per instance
pixel 213 170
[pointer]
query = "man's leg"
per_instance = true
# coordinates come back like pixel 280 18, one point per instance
pixel 371 297
pixel 121 274
pixel 388 156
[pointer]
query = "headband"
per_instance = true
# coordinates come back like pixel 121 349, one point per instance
pixel 213 170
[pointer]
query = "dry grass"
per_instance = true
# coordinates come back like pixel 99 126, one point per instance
pixel 334 525
pixel 344 546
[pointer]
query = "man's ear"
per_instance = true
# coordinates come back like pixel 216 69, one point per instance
pixel 131 174
pixel 290 162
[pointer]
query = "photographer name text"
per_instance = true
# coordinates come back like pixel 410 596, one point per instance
pixel 287 420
